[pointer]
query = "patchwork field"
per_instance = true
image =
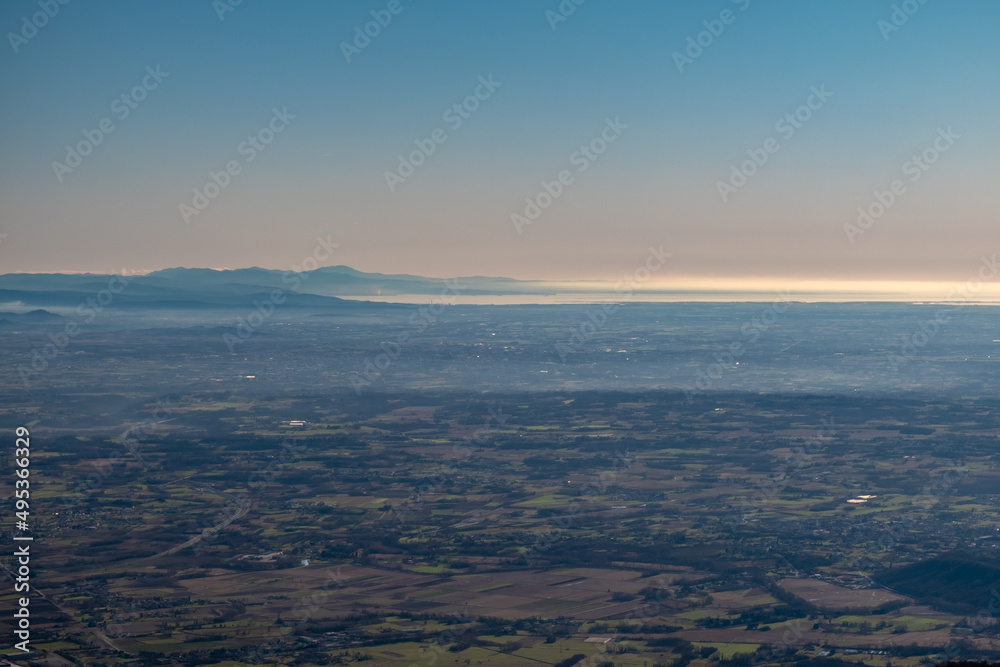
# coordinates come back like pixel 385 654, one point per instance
pixel 399 530
pixel 830 597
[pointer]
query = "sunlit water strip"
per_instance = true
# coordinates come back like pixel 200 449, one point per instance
pixel 970 292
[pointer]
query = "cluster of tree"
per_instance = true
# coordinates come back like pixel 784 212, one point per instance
pixel 956 582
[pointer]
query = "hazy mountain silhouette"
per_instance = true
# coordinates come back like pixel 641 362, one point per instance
pixel 213 288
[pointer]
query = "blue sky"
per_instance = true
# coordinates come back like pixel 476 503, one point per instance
pixel 656 184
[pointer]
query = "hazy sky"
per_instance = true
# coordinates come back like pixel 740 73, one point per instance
pixel 196 87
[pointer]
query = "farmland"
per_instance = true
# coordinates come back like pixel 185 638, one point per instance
pixel 237 522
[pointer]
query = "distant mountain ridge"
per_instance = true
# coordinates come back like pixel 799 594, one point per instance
pixel 196 288
pixel 345 281
pixel 37 316
pixel 224 286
